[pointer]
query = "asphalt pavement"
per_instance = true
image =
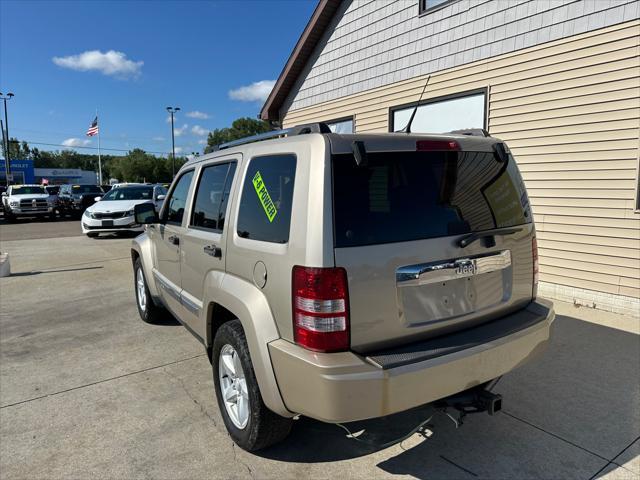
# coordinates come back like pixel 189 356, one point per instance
pixel 88 390
pixel 31 228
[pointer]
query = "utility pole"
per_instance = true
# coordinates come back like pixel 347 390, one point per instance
pixel 171 111
pixel 5 134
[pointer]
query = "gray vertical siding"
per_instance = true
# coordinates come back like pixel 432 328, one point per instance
pixel 373 43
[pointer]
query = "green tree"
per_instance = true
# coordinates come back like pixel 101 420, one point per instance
pixel 140 166
pixel 18 150
pixel 136 166
pixel 241 127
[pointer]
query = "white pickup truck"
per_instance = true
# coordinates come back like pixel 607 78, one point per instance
pixel 26 201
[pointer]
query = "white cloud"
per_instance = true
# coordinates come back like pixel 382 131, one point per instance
pixel 257 91
pixel 202 142
pixel 109 63
pixel 198 130
pixel 177 131
pixel 197 114
pixel 178 150
pixel 75 142
pixel 168 119
pixel 158 139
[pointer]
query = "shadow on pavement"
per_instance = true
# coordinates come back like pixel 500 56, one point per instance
pixel 38 272
pixel 569 412
pixel 167 320
pixel 312 441
pixel 112 235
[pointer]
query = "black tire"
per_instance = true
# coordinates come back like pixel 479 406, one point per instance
pixel 92 234
pixel 9 217
pixel 264 427
pixel 151 313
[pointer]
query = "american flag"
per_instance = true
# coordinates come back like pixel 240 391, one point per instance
pixel 93 128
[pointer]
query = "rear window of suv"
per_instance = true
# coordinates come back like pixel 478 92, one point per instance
pixel 404 196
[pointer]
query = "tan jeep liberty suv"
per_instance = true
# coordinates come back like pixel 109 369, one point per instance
pixel 346 277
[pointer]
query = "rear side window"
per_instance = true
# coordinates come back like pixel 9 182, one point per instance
pixel 267 193
pixel 210 202
pixel 404 196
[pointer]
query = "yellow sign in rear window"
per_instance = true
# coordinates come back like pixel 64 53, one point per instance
pixel 264 197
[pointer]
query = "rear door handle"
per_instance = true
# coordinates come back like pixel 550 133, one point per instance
pixel 174 240
pixel 213 251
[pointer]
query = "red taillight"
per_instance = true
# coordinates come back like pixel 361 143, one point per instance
pixel 437 145
pixel 536 265
pixel 320 308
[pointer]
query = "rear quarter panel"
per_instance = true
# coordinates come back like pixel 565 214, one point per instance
pixel 310 239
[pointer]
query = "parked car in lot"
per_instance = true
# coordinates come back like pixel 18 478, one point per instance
pixel 26 201
pixel 74 199
pixel 346 277
pixel 114 211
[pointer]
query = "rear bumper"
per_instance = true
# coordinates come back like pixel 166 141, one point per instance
pixel 343 387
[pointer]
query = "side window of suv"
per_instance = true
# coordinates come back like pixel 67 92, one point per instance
pixel 267 194
pixel 211 196
pixel 177 201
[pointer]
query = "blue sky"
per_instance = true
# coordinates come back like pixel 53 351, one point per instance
pixel 190 54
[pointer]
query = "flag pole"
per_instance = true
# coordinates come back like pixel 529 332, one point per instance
pixel 99 158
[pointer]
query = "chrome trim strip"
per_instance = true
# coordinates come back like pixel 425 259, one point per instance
pixel 190 305
pixel 166 286
pixel 427 273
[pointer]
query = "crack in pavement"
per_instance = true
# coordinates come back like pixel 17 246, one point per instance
pixel 236 460
pixel 554 435
pixel 612 460
pixel 100 381
pixel 451 462
pixel 183 386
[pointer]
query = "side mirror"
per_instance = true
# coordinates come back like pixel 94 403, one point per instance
pixel 160 197
pixel 4 194
pixel 145 213
pixel 97 199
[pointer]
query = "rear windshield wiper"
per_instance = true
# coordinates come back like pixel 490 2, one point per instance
pixel 469 239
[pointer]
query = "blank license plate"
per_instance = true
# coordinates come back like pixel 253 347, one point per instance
pixel 107 223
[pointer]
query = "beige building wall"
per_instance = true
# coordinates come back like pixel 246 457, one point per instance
pixel 570 112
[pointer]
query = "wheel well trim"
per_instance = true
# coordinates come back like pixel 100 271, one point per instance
pixel 249 305
pixel 141 248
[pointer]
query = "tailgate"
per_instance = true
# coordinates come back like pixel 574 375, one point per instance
pixel 398 224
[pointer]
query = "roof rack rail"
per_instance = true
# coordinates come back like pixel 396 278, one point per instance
pixel 473 132
pixel 289 132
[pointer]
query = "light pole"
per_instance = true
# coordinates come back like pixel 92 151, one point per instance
pixel 7 164
pixel 173 110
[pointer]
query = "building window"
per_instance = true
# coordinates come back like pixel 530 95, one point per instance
pixel 443 114
pixel 342 125
pixel 428 5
